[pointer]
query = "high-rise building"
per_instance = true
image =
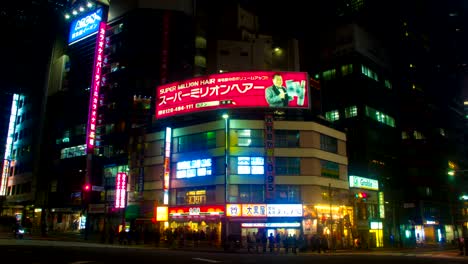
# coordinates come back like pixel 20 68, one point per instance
pixel 26 55
pixel 100 99
pixel 390 76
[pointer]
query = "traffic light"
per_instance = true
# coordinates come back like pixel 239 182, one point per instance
pixel 451 172
pixel 87 187
pixel 361 195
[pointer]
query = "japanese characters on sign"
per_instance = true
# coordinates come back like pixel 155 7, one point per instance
pixel 282 210
pixel 264 210
pixel 120 190
pixel 84 26
pixel 270 158
pixel 230 90
pixel 95 85
pixel 253 210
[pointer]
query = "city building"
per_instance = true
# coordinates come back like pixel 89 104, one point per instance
pixel 101 96
pixel 230 172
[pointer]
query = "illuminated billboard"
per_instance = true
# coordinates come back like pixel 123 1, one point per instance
pixel 120 190
pixel 85 26
pixel 233 90
pixel 95 86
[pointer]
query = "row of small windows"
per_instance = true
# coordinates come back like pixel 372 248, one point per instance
pixel 352 111
pixel 244 138
pixel 254 165
pixel 244 193
pixel 348 69
pixel 20 151
pixel 71 152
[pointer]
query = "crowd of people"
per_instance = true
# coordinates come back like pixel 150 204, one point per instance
pixel 259 241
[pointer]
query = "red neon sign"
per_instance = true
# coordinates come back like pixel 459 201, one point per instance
pixel 120 190
pixel 95 85
pixel 197 210
pixel 233 90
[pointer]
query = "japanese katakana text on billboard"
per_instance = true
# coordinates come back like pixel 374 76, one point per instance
pixel 233 90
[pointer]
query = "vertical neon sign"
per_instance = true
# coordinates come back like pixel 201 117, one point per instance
pixel 167 163
pixel 120 190
pixel 270 158
pixel 8 145
pixel 95 85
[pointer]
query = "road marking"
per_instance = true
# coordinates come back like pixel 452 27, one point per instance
pixel 207 260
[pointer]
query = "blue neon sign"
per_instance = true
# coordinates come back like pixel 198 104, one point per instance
pixel 85 26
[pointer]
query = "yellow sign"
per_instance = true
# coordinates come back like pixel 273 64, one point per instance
pixel 162 213
pixel 233 210
pixel 254 210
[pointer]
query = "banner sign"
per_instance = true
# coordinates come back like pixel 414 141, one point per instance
pixel 233 90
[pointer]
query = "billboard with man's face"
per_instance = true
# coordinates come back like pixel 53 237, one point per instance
pixel 233 90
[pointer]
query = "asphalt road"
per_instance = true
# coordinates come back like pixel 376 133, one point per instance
pixel 38 252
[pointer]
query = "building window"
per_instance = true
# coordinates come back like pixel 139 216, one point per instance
pixel 250 138
pixel 196 196
pixel 329 169
pixel 287 166
pixel 369 73
pixel 200 42
pixel 196 142
pixel 250 165
pixel 332 115
pixel 350 111
pixel 193 168
pixel 288 193
pixel 328 143
pixel 418 135
pixel 388 84
pixel 380 117
pixel 72 152
pixel 346 69
pixel 200 61
pixel 329 74
pixel 286 138
pixel 251 193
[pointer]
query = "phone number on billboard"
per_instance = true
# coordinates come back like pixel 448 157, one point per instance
pixel 175 109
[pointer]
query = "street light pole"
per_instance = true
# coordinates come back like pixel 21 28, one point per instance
pixel 226 172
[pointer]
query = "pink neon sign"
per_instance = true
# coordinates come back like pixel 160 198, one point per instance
pixel 95 85
pixel 120 189
pixel 233 90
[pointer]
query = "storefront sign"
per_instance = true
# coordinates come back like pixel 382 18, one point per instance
pixel 167 164
pixel 120 190
pixel 363 183
pixel 85 26
pixel 253 225
pixel 202 210
pixel 284 210
pixel 162 213
pixel 264 210
pixel 254 210
pixel 233 210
